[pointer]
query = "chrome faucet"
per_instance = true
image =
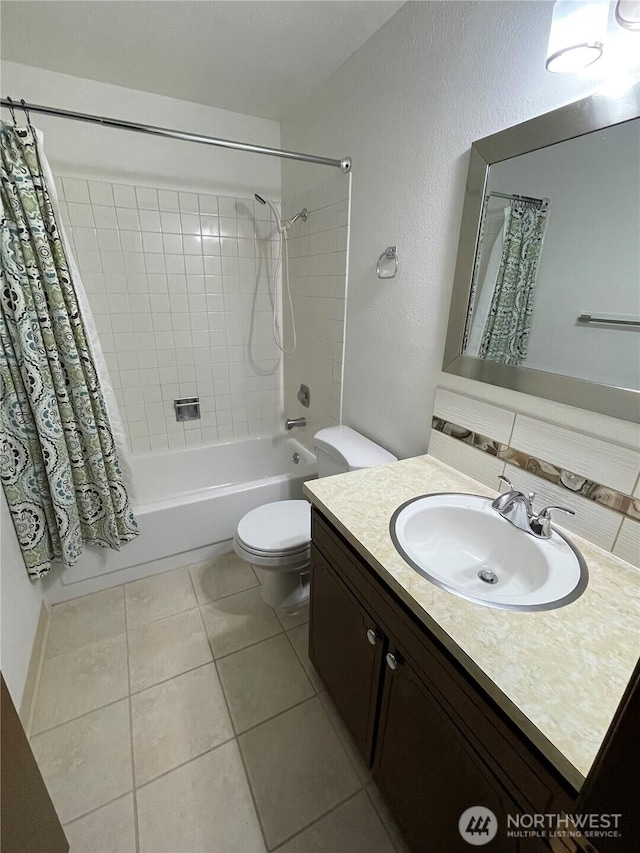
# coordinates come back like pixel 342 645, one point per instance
pixel 517 508
pixel 290 423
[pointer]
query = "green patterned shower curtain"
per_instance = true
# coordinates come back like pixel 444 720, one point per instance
pixel 58 462
pixel 506 333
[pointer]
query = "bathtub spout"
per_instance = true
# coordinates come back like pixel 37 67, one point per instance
pixel 290 423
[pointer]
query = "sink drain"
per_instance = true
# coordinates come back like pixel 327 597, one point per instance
pixel 487 576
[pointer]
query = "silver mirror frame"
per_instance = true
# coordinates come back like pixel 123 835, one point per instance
pixel 590 114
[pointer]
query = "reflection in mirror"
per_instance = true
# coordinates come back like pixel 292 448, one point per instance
pixel 559 240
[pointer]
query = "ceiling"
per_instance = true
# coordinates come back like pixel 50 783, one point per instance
pixel 261 58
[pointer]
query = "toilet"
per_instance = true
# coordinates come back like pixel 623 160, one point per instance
pixel 275 539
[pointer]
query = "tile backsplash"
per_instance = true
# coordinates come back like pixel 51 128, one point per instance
pixel 179 284
pixel 597 479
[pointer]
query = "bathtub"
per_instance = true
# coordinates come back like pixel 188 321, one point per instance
pixel 188 504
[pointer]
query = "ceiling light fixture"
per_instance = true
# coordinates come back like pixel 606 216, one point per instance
pixel 628 14
pixel 578 30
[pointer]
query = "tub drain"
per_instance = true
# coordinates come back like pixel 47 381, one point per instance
pixel 487 576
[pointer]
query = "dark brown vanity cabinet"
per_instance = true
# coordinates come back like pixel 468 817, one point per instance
pixel 435 743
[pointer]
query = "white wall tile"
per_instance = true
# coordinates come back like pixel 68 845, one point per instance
pixel 476 415
pixel 149 293
pixel 592 521
pixel 80 214
pixel 627 545
pixel 76 190
pixel 105 217
pixel 125 196
pixel 469 460
pixel 149 220
pixel 127 219
pixel 590 457
pixel 147 198
pixel 100 193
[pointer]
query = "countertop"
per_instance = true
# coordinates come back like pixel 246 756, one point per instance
pixel 559 674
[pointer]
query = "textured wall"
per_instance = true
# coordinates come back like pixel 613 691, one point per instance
pixel 406 107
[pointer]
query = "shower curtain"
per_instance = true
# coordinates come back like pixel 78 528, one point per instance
pixel 506 332
pixel 58 461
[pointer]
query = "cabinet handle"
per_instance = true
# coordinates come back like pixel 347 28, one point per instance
pixel 372 636
pixel 392 661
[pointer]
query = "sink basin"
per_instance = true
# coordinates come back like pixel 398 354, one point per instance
pixel 460 543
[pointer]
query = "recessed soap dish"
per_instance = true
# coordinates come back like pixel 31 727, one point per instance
pixel 187 408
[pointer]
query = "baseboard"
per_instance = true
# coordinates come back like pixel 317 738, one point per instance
pixel 33 671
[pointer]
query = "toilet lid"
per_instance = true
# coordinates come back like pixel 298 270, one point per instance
pixel 279 527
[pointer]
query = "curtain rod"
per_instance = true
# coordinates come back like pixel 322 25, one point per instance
pixel 543 202
pixel 344 165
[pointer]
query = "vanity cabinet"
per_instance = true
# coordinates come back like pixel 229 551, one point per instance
pixel 347 650
pixel 435 742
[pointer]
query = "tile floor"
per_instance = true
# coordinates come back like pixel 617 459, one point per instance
pixel 181 713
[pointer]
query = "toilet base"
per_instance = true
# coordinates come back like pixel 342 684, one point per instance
pixel 287 591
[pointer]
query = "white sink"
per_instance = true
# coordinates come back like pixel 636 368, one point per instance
pixel 456 540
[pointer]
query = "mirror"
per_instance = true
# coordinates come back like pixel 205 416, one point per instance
pixel 546 295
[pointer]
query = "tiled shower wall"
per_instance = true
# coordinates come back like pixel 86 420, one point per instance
pixel 318 277
pixel 179 284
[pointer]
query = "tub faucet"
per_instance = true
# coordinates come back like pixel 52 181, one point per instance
pixel 290 423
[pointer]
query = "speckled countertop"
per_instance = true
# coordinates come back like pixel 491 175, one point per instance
pixel 559 674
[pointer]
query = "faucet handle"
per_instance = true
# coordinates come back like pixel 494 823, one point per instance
pixel 541 523
pixel 546 512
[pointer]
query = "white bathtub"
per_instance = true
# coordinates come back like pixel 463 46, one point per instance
pixel 188 504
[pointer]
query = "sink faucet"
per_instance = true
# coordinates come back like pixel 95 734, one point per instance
pixel 517 508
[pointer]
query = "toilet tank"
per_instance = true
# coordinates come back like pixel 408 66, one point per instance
pixel 340 449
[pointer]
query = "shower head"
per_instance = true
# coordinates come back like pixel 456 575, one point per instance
pixel 266 200
pixel 282 226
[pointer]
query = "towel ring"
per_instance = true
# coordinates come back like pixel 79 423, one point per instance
pixel 390 254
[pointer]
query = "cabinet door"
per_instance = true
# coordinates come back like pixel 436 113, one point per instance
pixel 345 646
pixel 427 772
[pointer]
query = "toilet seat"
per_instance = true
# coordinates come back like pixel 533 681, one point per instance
pixel 282 527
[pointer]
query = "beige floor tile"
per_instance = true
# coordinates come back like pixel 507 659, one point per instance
pixel 158 596
pixel 297 768
pixel 387 818
pixel 238 621
pixel 353 827
pixel 168 647
pixel 74 683
pixel 86 762
pixel 111 829
pixel 346 740
pixel 85 620
pixel 222 576
pixel 262 681
pixel 289 621
pixel 178 720
pixel 204 806
pixel 300 641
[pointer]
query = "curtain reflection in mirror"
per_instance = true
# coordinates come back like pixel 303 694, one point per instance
pixel 501 304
